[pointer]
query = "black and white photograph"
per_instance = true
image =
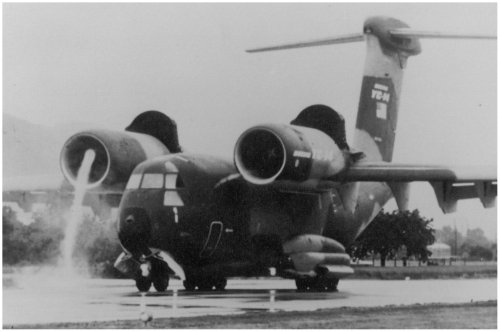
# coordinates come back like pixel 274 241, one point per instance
pixel 249 165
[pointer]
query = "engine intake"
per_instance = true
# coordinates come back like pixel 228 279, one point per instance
pixel 272 152
pixel 116 155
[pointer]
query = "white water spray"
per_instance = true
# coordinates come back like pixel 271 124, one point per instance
pixel 76 214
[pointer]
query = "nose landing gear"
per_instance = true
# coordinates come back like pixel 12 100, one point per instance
pixel 143 284
pixel 161 283
pixel 152 273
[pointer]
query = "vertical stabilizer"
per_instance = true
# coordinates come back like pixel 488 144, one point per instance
pixel 381 87
pixel 389 44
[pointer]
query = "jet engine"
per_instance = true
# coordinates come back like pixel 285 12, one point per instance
pixel 116 155
pixel 313 146
pixel 118 152
pixel 272 152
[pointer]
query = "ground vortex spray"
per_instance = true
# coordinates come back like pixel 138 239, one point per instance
pixel 76 213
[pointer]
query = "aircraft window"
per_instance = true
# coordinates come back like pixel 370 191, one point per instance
pixel 173 181
pixel 152 181
pixel 180 183
pixel 170 180
pixel 134 181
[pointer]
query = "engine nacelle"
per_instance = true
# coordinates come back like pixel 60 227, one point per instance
pixel 116 155
pixel 272 152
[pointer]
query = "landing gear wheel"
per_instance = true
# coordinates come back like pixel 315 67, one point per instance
pixel 318 285
pixel 143 284
pixel 301 284
pixel 161 284
pixel 205 285
pixel 189 285
pixel 331 285
pixel 220 284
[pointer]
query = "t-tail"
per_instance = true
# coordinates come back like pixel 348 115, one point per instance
pixel 386 59
pixel 389 44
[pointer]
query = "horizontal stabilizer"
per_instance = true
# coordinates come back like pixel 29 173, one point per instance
pixel 349 38
pixel 404 32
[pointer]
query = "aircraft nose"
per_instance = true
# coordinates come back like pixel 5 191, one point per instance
pixel 134 231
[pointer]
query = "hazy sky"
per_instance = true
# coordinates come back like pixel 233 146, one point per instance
pixel 105 63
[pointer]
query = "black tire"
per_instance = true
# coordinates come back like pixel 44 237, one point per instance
pixel 161 284
pixel 220 284
pixel 143 284
pixel 205 285
pixel 318 285
pixel 331 285
pixel 301 284
pixel 189 285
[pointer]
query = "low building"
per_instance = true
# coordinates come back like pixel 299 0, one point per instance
pixel 440 253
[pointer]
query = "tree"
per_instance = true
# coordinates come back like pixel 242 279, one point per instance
pixel 35 243
pixel 389 232
pixel 480 253
pixel 476 237
pixel 476 246
pixel 379 237
pixel 416 233
pixel 97 244
pixel 451 237
pixel 14 246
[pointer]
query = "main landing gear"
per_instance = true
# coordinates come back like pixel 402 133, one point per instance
pixel 316 284
pixel 205 283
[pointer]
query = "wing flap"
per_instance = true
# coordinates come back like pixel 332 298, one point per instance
pixel 448 193
pixel 381 171
pixel 450 184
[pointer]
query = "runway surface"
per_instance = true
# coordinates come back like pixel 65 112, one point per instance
pixel 47 299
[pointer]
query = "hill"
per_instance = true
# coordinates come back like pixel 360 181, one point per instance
pixel 30 149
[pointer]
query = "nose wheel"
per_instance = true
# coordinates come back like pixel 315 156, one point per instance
pixel 143 284
pixel 152 273
pixel 160 284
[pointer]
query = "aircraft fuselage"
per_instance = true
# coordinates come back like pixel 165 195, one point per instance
pixel 198 210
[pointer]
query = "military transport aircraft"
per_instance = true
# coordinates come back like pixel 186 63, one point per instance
pixel 292 199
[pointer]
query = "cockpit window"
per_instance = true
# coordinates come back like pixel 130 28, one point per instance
pixel 179 183
pixel 173 181
pixel 170 180
pixel 134 181
pixel 152 181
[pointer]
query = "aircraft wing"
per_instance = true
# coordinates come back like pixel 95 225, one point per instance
pixel 32 183
pixel 449 183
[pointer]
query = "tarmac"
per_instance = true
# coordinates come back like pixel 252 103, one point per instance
pixel 49 298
